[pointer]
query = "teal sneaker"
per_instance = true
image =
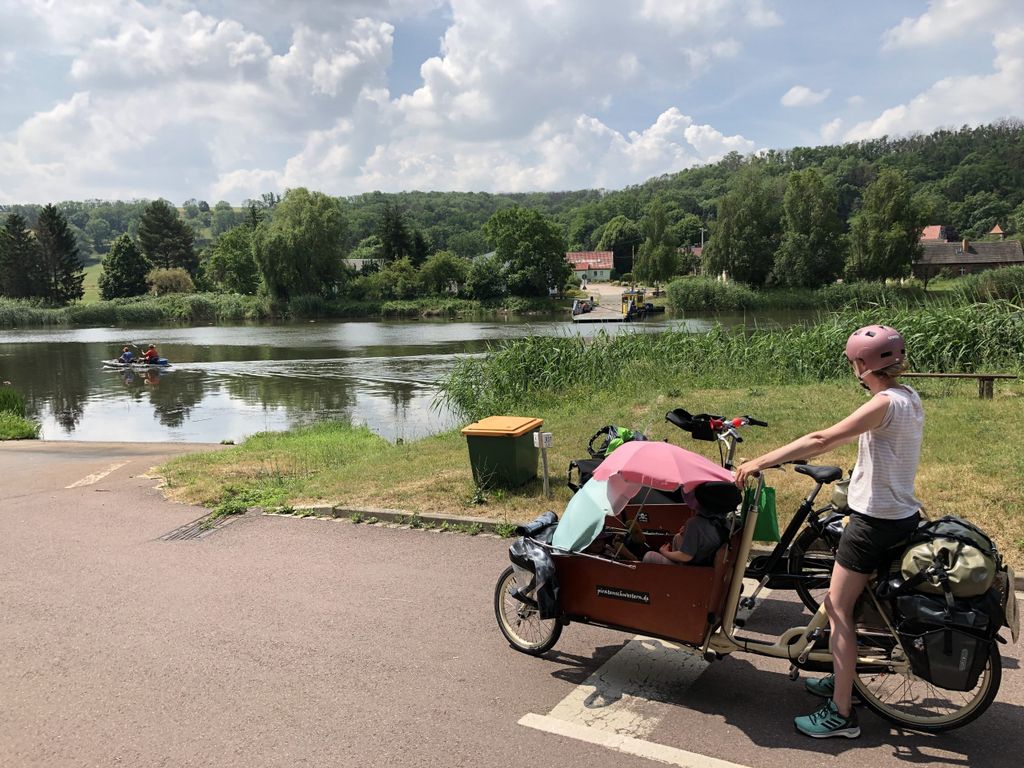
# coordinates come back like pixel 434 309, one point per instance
pixel 821 686
pixel 827 722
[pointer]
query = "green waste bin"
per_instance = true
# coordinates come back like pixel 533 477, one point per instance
pixel 501 450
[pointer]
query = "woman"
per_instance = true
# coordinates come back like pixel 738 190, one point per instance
pixel 151 357
pixel 883 513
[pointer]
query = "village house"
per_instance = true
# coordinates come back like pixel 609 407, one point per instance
pixel 591 265
pixel 963 257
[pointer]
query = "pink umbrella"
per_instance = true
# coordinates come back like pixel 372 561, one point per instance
pixel 660 465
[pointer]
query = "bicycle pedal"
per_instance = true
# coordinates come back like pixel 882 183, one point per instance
pixel 748 602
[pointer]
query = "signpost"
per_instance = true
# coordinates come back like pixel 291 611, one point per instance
pixel 544 441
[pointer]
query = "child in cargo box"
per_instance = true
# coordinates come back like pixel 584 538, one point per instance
pixel 883 509
pixel 703 534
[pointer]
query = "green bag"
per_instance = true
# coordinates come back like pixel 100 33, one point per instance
pixel 767 526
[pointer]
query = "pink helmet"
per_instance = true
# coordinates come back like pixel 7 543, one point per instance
pixel 876 346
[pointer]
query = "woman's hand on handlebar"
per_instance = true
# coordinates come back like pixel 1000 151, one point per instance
pixel 747 469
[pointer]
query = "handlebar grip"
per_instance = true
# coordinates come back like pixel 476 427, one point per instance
pixel 756 422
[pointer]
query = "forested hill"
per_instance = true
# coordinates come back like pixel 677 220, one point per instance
pixel 972 179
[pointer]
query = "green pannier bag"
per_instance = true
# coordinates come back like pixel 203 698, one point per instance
pixel 767 526
pixel 951 550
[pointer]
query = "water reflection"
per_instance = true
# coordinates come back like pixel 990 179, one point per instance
pixel 229 382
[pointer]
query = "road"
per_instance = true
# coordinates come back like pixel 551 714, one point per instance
pixel 301 642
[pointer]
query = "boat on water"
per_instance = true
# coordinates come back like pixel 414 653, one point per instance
pixel 137 365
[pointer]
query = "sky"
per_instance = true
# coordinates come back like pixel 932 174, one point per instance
pixel 228 99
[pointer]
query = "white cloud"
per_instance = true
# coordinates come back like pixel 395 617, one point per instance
pixel 855 101
pixel 802 96
pixel 830 130
pixel 954 101
pixel 944 22
pixel 174 97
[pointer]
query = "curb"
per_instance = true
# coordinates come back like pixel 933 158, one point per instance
pixel 400 516
pixel 486 524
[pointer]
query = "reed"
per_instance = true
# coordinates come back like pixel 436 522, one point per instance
pixel 947 338
pixel 12 401
pixel 702 294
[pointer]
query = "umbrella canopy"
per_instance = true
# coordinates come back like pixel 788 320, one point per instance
pixel 584 515
pixel 660 465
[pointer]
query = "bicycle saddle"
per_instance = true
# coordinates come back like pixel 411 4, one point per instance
pixel 821 474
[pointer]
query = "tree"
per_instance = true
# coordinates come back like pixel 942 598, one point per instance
pixel 420 249
pixel 395 280
pixel 746 234
pixel 299 251
pixel 658 259
pixel 622 236
pixel 224 217
pixel 20 275
pixel 61 270
pixel 810 253
pixel 98 231
pixel 531 248
pixel 396 241
pixel 486 279
pixel 124 270
pixel 884 234
pixel 229 265
pixel 204 206
pixel 165 238
pixel 442 272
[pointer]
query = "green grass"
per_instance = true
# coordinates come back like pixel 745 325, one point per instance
pixel 91 284
pixel 11 401
pixel 14 427
pixel 972 459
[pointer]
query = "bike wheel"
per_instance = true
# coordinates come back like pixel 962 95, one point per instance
pixel 911 702
pixel 519 622
pixel 811 558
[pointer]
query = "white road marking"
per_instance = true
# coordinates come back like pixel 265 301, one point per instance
pixel 95 477
pixel 625 744
pixel 621 703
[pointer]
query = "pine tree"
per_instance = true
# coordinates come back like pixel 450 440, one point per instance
pixel 19 259
pixel 124 270
pixel 61 266
pixel 394 234
pixel 165 239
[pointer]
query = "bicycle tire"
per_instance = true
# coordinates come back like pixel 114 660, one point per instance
pixel 913 703
pixel 521 623
pixel 811 559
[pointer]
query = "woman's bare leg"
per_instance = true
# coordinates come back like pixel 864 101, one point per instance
pixel 843 591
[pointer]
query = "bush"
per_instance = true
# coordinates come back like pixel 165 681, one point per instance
pixel 1004 283
pixel 14 427
pixel 705 293
pixel 165 281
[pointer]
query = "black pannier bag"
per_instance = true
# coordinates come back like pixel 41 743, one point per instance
pixel 536 582
pixel 947 641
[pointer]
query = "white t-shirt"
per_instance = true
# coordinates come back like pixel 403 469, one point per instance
pixel 883 479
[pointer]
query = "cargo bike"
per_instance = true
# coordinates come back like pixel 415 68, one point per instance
pixel 925 662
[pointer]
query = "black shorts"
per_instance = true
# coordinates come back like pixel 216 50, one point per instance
pixel 866 541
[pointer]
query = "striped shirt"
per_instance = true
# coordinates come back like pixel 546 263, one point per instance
pixel 882 485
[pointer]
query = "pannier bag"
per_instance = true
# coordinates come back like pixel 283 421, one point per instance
pixel 584 469
pixel 536 582
pixel 952 554
pixel 609 438
pixel 947 642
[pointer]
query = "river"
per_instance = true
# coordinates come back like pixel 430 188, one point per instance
pixel 227 382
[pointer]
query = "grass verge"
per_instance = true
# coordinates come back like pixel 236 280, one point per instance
pixel 971 463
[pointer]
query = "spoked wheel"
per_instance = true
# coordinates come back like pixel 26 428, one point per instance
pixel 520 622
pixel 902 698
pixel 811 558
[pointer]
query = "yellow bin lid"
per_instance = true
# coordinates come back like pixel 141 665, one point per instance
pixel 502 426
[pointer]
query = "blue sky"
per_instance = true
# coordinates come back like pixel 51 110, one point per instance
pixel 227 99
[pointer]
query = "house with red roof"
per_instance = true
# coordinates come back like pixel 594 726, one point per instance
pixel 591 265
pixel 938 233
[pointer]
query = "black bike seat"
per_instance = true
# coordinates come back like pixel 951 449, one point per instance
pixel 820 473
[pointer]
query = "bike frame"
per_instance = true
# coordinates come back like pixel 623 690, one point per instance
pixel 795 644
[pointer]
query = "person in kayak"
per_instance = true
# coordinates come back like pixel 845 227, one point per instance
pixel 126 356
pixel 152 357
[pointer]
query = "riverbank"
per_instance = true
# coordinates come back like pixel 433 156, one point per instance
pixel 222 309
pixel 972 459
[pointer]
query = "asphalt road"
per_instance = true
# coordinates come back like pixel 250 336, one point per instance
pixel 286 642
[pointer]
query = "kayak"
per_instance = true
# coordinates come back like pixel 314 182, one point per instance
pixel 136 365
